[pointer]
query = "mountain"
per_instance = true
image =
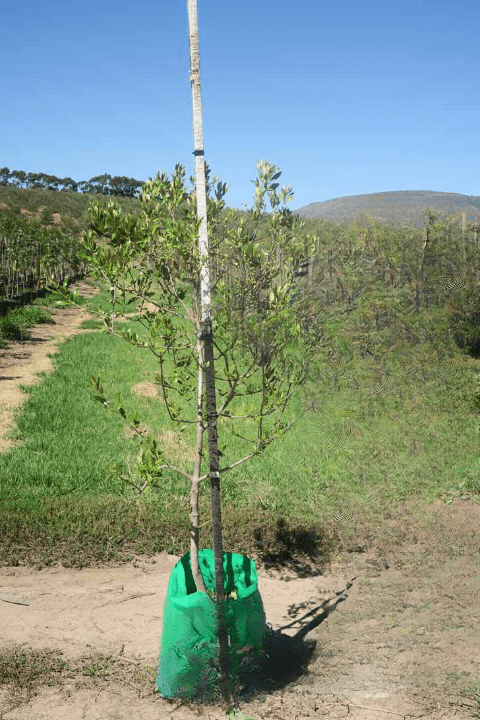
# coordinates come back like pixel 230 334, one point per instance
pixel 402 207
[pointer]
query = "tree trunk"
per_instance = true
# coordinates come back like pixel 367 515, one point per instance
pixel 420 288
pixel 214 474
pixel 194 508
pixel 206 338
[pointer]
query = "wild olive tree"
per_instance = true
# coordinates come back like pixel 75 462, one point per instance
pixel 258 340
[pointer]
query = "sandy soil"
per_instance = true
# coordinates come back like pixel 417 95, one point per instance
pixel 405 643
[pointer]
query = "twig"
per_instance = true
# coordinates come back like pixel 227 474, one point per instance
pixel 121 658
pixel 364 707
pixel 179 705
pixel 135 687
pixel 129 597
pixel 452 597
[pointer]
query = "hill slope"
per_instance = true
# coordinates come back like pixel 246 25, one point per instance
pixel 71 208
pixel 403 207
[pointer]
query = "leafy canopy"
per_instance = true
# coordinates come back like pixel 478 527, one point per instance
pixel 258 302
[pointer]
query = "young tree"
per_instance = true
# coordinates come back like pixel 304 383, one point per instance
pixel 253 337
pixel 253 303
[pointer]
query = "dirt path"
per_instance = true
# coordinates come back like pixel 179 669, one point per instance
pixel 22 361
pixel 404 644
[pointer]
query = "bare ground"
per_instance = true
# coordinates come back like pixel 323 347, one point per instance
pixel 405 643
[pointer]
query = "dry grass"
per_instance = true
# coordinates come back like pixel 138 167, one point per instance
pixel 145 389
pixel 23 671
pixel 176 446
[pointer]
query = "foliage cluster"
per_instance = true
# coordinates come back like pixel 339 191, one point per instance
pixel 377 291
pixel 16 323
pixel 32 256
pixel 260 347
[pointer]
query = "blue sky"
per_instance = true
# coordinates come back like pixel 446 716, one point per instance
pixel 345 96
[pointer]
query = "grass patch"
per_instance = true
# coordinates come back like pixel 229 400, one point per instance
pixel 67 440
pixel 358 451
pixel 16 323
pixel 23 672
pixel 47 531
pixel 79 531
pixel 92 324
pixel 371 436
pixel 61 297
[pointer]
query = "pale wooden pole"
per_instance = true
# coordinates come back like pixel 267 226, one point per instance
pixel 206 339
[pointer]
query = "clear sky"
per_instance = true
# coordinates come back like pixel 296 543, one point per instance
pixel 345 96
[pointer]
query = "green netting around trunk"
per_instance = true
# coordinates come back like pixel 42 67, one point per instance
pixel 189 652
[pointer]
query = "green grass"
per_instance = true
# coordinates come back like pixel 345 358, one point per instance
pixel 352 448
pixel 67 440
pixel 60 298
pixel 16 323
pixel 370 436
pixel 92 324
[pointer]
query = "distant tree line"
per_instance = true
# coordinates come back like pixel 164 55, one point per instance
pixel 119 186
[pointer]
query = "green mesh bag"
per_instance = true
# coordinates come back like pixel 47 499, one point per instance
pixel 189 650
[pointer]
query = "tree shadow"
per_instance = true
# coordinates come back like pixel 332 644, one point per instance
pixel 284 661
pixel 286 658
pixel 302 550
